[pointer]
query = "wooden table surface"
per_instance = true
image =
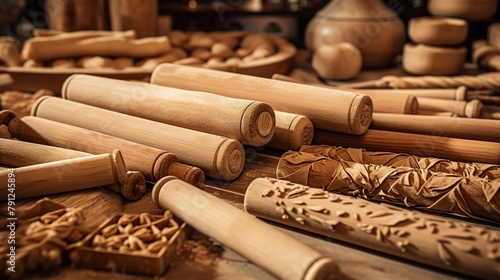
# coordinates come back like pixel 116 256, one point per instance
pixel 355 262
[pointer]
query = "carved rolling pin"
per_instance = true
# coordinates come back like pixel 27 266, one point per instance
pixel 415 144
pixel 65 176
pixel 274 251
pixel 16 153
pixel 292 131
pixel 328 109
pixel 383 102
pixel 456 246
pixel 488 171
pixel 250 122
pixel 470 109
pixel 475 129
pixel 217 156
pixel 153 163
pixel 472 197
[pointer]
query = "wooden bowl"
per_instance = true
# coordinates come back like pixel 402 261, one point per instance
pixel 467 9
pixel 437 31
pixel 419 59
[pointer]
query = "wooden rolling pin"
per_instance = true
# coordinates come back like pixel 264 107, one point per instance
pixel 488 171
pixel 16 153
pixel 429 239
pixel 217 156
pixel 328 109
pixel 65 176
pixel 472 197
pixel 475 129
pixel 491 112
pixel 383 102
pixel 153 163
pixel 415 144
pixel 292 131
pixel 270 249
pixel 470 109
pixel 438 114
pixel 250 122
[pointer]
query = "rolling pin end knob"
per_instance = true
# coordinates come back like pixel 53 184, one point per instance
pixel 135 187
pixel 190 174
pixel 230 160
pixel 473 109
pixel 361 112
pixel 6 116
pixel 323 269
pixel 155 194
pixel 258 124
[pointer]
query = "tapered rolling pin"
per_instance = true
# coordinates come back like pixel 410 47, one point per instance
pixel 65 175
pixel 429 239
pixel 217 156
pixel 470 109
pixel 488 171
pixel 328 109
pixel 383 102
pixel 415 144
pixel 475 129
pixel 292 131
pixel 153 163
pixel 19 154
pixel 250 122
pixel 274 251
pixel 472 197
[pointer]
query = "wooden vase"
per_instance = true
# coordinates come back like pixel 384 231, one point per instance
pixel 367 24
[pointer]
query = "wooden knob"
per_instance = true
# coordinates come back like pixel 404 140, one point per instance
pixel 292 131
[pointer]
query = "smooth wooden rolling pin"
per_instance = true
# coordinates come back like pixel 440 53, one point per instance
pixel 16 153
pixel 472 197
pixel 383 102
pixel 153 163
pixel 475 129
pixel 328 109
pixel 470 109
pixel 292 131
pixel 270 249
pixel 65 176
pixel 217 156
pixel 250 122
pixel 429 239
pixel 487 171
pixel 415 144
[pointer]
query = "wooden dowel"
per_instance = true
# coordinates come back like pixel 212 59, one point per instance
pixel 470 109
pixel 429 239
pixel 153 163
pixel 471 197
pixel 65 175
pixel 415 144
pixel 438 114
pixel 475 129
pixel 488 171
pixel 270 249
pixel 383 101
pixel 19 154
pixel 459 93
pixel 247 121
pixel 292 131
pixel 217 156
pixel 328 109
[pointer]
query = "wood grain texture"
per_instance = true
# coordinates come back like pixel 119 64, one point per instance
pixel 217 156
pixel 456 246
pixel 247 121
pixel 153 163
pixel 292 131
pixel 140 15
pixel 415 144
pixel 466 128
pixel 470 109
pixel 328 109
pixel 277 253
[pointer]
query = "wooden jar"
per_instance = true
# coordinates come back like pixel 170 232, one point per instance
pixel 419 59
pixel 437 31
pixel 367 24
pixel 467 9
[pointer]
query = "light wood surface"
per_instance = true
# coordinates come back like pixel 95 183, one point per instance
pixel 466 128
pixel 396 231
pixel 277 253
pixel 328 109
pixel 292 131
pixel 153 163
pixel 247 121
pixel 470 109
pixel 415 144
pixel 491 112
pixel 65 175
pixel 217 156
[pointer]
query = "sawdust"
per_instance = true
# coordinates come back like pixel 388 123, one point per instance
pixel 21 102
pixel 200 250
